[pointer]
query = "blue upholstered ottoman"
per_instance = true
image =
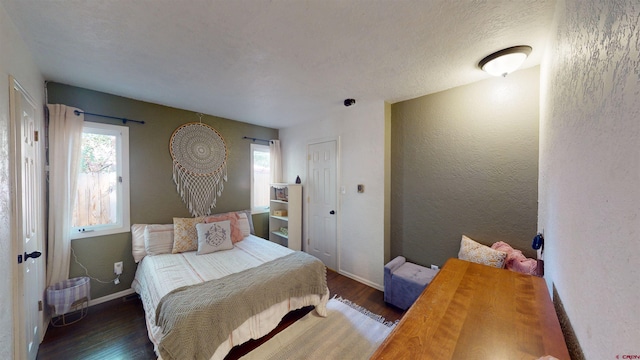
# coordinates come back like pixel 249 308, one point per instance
pixel 405 281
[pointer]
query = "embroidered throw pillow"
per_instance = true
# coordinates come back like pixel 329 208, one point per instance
pixel 236 233
pixel 185 236
pixel 214 237
pixel 473 251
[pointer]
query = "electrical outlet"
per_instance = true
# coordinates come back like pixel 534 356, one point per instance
pixel 117 268
pixel 434 267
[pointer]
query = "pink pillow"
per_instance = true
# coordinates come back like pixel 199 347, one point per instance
pixel 236 231
pixel 515 260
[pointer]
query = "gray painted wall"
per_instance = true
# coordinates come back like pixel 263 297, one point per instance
pixel 465 161
pixel 154 198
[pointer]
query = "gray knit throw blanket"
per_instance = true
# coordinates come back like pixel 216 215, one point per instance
pixel 196 319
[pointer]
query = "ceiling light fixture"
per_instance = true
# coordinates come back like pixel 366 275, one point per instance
pixel 505 61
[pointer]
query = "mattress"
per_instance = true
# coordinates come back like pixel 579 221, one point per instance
pixel 158 275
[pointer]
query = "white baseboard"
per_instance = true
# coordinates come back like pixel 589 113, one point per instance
pixel 110 297
pixel 361 280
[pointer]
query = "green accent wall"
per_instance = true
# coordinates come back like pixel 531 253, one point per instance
pixel 465 161
pixel 154 199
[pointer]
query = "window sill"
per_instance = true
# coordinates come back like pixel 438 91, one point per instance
pixel 102 232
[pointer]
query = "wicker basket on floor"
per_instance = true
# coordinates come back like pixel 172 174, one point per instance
pixel 69 301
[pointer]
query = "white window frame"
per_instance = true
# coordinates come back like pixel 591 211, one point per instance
pixel 257 209
pixel 123 222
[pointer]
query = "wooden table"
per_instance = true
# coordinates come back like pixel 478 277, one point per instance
pixel 472 311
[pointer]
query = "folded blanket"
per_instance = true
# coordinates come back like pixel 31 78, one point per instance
pixel 196 319
pixel 515 260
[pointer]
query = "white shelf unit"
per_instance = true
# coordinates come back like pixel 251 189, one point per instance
pixel 286 197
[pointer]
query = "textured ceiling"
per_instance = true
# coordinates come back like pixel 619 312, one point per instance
pixel 274 63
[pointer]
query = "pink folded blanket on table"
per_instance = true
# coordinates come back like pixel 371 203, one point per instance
pixel 515 260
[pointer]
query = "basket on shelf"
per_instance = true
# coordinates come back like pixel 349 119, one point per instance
pixel 69 300
pixel 280 213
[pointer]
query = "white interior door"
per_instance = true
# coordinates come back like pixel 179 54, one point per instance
pixel 322 201
pixel 28 203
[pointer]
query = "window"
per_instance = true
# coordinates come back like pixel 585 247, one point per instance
pixel 260 178
pixel 102 196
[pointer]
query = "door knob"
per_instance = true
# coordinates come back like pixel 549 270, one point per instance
pixel 33 255
pixel 332 212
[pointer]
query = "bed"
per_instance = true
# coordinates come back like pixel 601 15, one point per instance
pixel 161 274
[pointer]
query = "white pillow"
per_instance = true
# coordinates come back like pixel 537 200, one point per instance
pixel 249 218
pixel 214 237
pixel 158 239
pixel 243 224
pixel 137 242
pixel 473 251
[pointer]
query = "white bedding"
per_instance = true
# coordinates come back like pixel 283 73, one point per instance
pixel 157 275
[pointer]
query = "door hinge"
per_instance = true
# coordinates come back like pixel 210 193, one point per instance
pixel 120 179
pixel 35 135
pixel 39 305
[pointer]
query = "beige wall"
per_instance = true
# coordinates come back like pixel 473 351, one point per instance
pixel 154 198
pixel 359 130
pixel 590 172
pixel 465 161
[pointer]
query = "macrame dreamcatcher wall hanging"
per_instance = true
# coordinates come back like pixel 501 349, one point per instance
pixel 199 156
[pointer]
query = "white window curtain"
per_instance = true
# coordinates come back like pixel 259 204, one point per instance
pixel 275 161
pixel 65 138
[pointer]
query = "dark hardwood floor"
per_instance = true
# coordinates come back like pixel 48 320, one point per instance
pixel 117 330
